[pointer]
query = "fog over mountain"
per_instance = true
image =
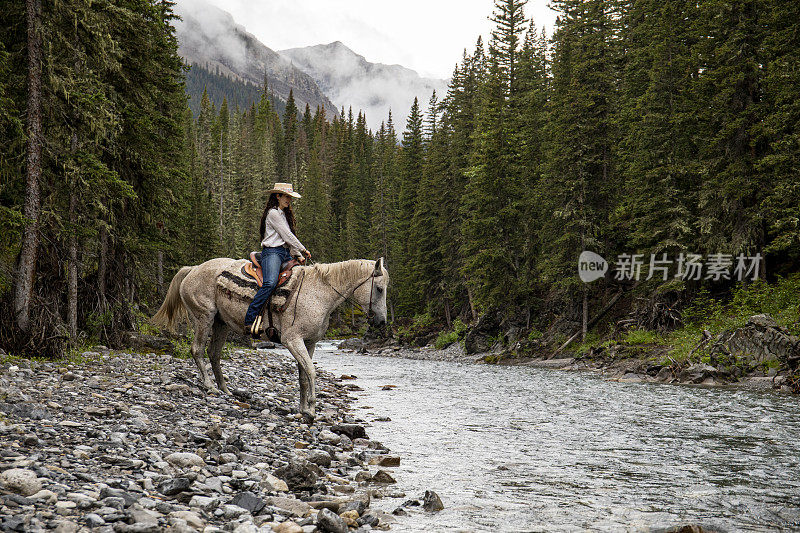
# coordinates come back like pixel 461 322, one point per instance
pixel 210 37
pixel 348 79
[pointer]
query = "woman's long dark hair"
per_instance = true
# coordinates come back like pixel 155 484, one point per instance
pixel 273 202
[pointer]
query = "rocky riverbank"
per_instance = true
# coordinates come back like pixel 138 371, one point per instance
pixel 128 442
pixel 760 355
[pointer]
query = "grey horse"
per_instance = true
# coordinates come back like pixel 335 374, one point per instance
pixel 324 287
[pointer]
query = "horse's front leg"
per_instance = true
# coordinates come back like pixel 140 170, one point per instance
pixel 308 377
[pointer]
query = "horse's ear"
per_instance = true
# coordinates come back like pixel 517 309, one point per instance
pixel 378 268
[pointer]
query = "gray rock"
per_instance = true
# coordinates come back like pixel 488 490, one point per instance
pixel 329 437
pixel 697 373
pixel 382 476
pixel 353 431
pixel 330 522
pixel 66 526
pixel 116 504
pixel 320 458
pixel 353 343
pixel 759 341
pixel 20 481
pixel 298 476
pixel 358 506
pixel 292 505
pixel 273 484
pixel 185 459
pixel 205 503
pixel 127 497
pixel 94 520
pixel 249 501
pixel 431 502
pixel 369 519
pixel 174 486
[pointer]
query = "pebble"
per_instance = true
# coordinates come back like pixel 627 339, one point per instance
pixel 132 444
pixel 185 459
pixel 273 484
pixel 288 527
pixel 330 522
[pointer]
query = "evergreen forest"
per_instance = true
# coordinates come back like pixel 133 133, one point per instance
pixel 636 127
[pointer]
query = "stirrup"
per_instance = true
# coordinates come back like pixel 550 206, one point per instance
pixel 255 329
pixel 273 334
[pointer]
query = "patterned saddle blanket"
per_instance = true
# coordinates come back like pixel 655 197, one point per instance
pixel 235 283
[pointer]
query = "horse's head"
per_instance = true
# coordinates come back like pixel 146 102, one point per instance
pixel 375 301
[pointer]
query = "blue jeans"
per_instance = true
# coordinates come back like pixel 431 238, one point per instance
pixel 271 260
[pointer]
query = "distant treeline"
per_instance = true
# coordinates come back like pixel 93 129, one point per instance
pixel 638 127
pixel 238 93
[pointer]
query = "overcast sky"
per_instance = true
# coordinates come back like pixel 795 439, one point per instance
pixel 428 36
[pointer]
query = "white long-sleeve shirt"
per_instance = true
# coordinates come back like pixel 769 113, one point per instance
pixel 277 232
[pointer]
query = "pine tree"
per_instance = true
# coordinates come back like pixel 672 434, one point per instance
pixel 410 163
pixel 730 141
pixel 781 129
pixel 290 139
pixel 579 183
pixel 493 193
pixel 657 152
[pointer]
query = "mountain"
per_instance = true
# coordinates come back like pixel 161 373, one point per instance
pixel 349 79
pixel 209 37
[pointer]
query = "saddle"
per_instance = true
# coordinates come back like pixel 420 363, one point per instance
pixel 253 269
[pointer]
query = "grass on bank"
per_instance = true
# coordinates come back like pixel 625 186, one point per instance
pixel 780 300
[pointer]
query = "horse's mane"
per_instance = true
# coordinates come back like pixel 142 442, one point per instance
pixel 342 273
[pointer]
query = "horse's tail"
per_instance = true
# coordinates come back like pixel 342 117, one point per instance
pixel 172 308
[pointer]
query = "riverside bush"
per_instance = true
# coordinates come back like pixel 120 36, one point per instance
pixel 447 338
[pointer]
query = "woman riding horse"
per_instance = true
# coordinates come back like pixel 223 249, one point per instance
pixel 279 244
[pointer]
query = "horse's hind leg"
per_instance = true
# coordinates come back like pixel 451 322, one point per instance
pixel 308 377
pixel 219 332
pixel 202 330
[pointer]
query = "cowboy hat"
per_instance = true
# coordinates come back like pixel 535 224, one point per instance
pixel 284 188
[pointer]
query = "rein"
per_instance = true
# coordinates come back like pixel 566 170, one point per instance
pixel 349 298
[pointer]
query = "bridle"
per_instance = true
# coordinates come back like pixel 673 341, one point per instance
pixel 369 314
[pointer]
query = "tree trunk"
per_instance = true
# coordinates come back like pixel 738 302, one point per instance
pixel 221 186
pixel 471 303
pixel 72 269
pixel 24 275
pixel 585 321
pixel 160 272
pixel 72 265
pixel 160 266
pixel 102 266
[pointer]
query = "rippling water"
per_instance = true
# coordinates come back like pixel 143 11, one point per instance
pixel 521 449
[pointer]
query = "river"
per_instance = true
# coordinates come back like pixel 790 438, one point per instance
pixel 523 449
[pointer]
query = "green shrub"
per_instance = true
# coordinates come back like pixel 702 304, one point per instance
pixel 642 336
pixel 417 326
pixel 703 309
pixel 592 339
pixel 460 328
pixel 445 339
